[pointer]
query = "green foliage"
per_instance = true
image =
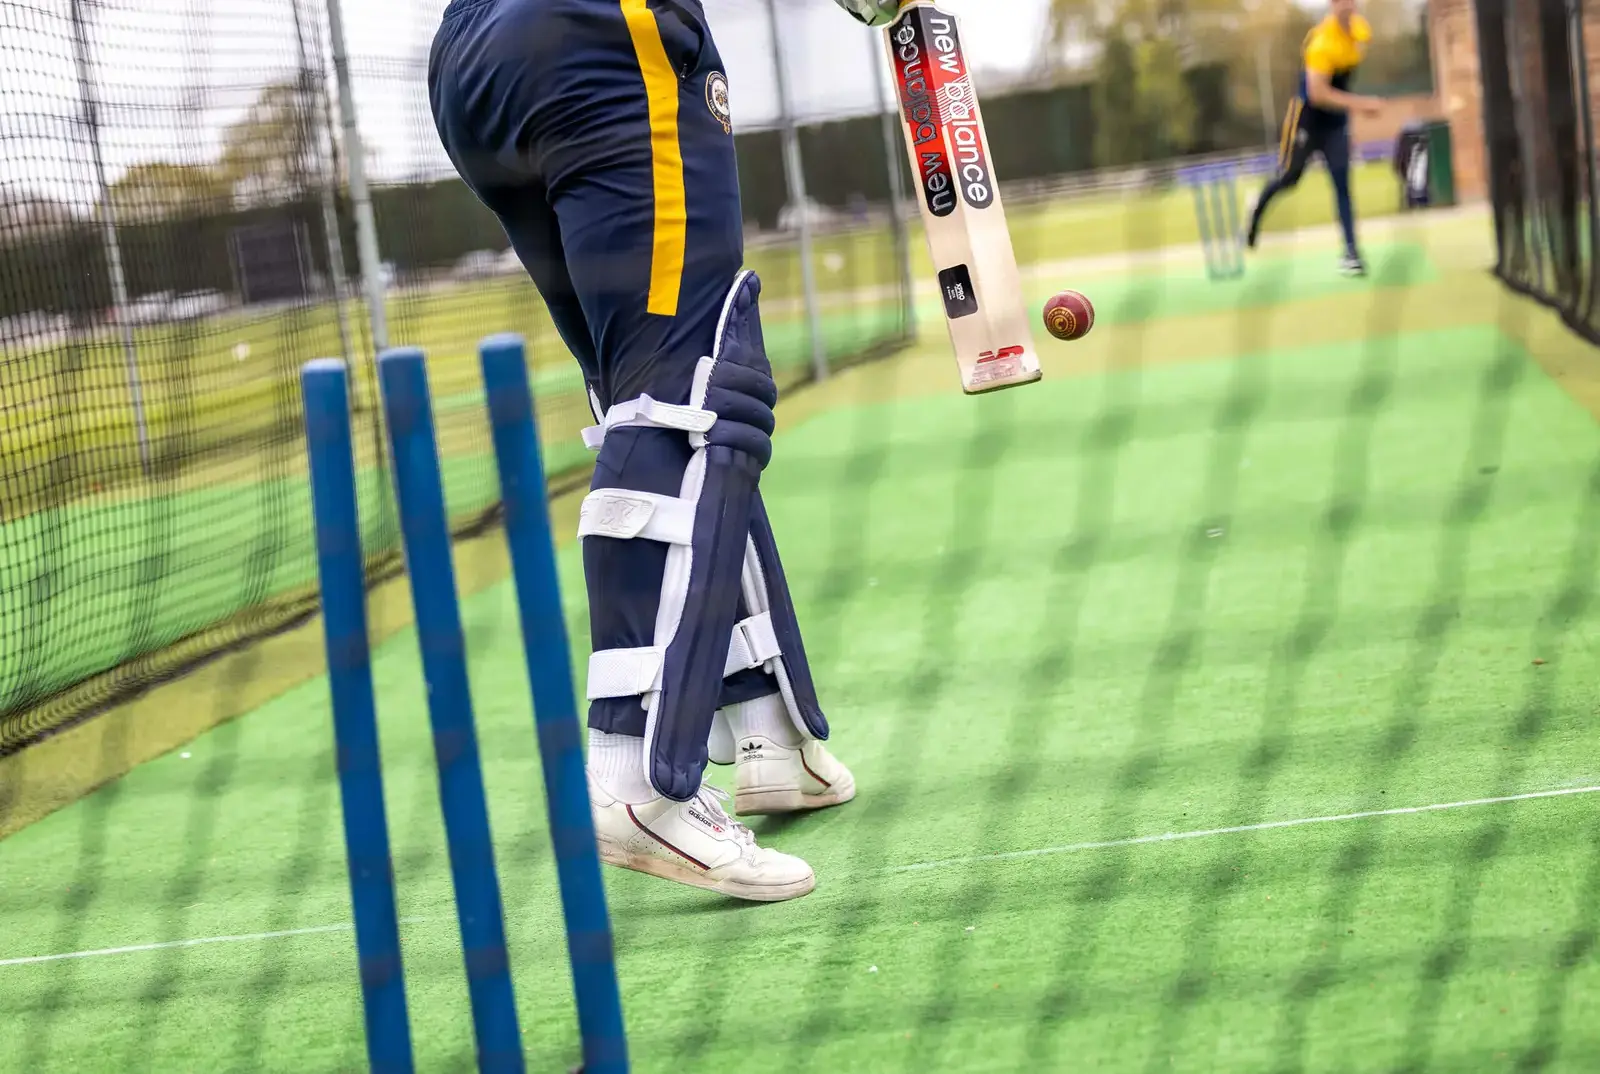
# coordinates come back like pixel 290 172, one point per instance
pixel 1120 140
pixel 271 155
pixel 158 189
pixel 1166 105
pixel 1399 59
pixel 1143 102
pixel 1138 52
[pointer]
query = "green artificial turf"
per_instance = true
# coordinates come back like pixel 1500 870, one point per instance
pixel 1273 276
pixel 237 534
pixel 217 551
pixel 1313 580
pixel 1119 221
pixel 206 382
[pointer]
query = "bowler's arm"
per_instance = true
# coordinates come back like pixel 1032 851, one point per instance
pixel 1322 94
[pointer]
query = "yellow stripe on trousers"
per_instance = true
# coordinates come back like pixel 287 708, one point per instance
pixel 666 158
pixel 1291 124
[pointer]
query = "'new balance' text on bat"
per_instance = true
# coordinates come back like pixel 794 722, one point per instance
pixel 960 201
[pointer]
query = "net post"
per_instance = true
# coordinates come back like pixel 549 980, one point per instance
pixel 794 171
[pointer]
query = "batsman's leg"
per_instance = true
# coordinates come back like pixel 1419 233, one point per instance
pixel 630 153
pixel 783 766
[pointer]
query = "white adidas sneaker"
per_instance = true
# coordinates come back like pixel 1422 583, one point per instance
pixel 695 843
pixel 776 779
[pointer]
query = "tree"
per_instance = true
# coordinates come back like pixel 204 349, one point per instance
pixel 1118 134
pixel 1203 29
pixel 26 212
pixel 1399 59
pixel 159 189
pixel 1142 48
pixel 1268 47
pixel 1166 105
pixel 1073 24
pixel 1143 104
pixel 271 155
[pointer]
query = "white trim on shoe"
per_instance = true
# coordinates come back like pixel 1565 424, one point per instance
pixel 772 778
pixel 695 843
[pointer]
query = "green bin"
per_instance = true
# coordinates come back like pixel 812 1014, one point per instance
pixel 1422 164
pixel 1441 168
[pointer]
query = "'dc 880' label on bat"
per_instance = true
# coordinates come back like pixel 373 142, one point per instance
pixel 941 110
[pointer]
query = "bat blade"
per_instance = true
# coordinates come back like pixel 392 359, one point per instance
pixel 960 202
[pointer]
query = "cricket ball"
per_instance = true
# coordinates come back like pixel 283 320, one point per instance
pixel 1069 316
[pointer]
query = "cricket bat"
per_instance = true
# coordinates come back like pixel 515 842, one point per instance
pixel 960 201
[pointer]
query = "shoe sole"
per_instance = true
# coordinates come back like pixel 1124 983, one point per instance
pixel 767 801
pixel 666 869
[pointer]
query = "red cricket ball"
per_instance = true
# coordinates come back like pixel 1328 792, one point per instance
pixel 1069 316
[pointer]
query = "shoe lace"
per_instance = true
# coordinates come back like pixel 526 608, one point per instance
pixel 712 800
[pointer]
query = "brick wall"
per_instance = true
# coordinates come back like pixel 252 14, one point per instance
pixel 1454 31
pixel 1591 44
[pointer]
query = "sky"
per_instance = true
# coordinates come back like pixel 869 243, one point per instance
pixel 831 62
pixel 173 74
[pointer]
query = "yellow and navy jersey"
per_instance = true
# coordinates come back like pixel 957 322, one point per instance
pixel 1336 51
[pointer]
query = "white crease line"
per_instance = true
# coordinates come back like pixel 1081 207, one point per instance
pixel 1242 829
pixel 977 859
pixel 249 937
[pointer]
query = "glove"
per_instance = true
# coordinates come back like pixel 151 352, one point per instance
pixel 871 12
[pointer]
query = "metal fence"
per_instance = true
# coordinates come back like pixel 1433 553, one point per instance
pixel 195 199
pixel 1539 131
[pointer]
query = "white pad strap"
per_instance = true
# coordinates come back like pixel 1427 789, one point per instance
pixel 699 389
pixel 652 414
pixel 754 643
pixel 625 672
pixel 625 515
pixel 754 585
pixel 636 672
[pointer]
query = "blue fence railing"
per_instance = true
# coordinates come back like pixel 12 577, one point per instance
pixel 1265 162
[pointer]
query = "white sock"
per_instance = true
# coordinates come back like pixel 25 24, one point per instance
pixel 767 717
pixel 617 763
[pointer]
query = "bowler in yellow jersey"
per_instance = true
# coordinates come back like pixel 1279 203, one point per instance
pixel 1318 121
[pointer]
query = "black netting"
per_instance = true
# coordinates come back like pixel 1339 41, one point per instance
pixel 178 234
pixel 174 244
pixel 1539 132
pixel 163 268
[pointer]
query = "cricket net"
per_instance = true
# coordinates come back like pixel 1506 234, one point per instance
pixel 179 233
pixel 1537 66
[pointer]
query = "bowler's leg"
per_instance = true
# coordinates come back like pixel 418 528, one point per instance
pixel 1293 154
pixel 1336 151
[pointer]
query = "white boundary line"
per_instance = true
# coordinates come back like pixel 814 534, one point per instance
pixel 249 937
pixel 917 867
pixel 170 944
pixel 1242 829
